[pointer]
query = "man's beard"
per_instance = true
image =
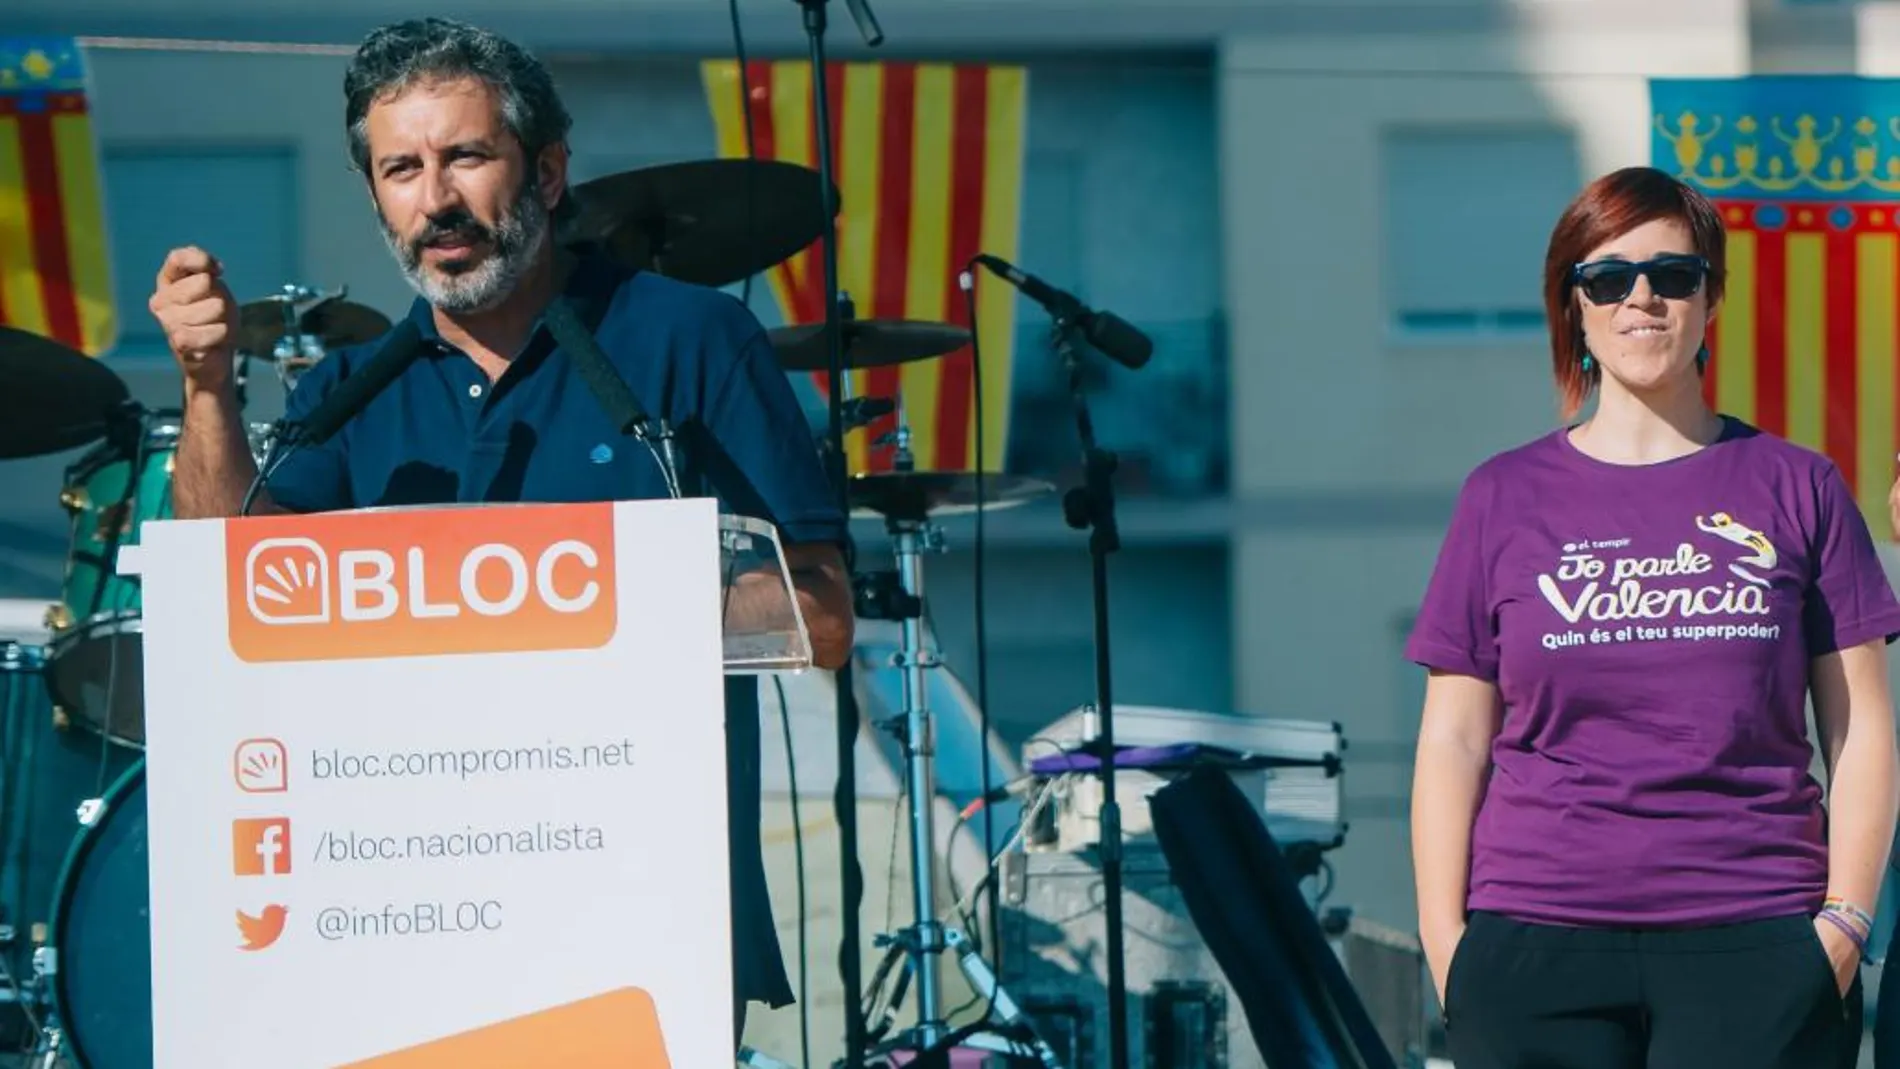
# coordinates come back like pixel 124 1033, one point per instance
pixel 511 247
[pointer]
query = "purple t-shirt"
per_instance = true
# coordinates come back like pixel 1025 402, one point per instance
pixel 1650 629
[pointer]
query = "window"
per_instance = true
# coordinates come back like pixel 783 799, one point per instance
pixel 240 203
pixel 1467 217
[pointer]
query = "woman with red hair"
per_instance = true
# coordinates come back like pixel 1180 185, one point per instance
pixel 1622 858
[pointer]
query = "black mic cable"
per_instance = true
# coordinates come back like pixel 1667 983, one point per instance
pixel 991 944
pixel 611 390
pixel 344 401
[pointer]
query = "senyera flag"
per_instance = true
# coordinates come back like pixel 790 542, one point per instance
pixel 1806 173
pixel 55 278
pixel 928 161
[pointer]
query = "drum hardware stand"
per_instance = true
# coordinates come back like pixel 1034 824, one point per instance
pixel 49 1050
pixel 294 351
pixel 241 379
pixel 845 797
pixel 125 426
pixel 51 1045
pixel 899 595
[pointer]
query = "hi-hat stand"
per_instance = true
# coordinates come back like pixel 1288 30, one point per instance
pixel 928 937
pixel 899 595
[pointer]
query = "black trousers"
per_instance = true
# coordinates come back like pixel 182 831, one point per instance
pixel 1887 1017
pixel 1759 995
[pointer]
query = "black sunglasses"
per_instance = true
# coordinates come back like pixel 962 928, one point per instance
pixel 1610 281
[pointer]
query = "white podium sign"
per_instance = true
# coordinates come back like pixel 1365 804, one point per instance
pixel 437 788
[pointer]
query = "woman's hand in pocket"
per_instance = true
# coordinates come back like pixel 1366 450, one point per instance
pixel 1439 947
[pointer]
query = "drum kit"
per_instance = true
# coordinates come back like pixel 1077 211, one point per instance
pixel 74 919
pixel 74 922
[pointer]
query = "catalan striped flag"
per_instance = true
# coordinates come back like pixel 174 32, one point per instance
pixel 928 161
pixel 55 278
pixel 1806 173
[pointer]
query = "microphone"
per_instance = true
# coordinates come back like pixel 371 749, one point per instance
pixel 355 392
pixel 608 387
pixel 341 405
pixel 1113 336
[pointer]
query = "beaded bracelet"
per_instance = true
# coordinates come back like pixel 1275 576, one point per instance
pixel 1853 934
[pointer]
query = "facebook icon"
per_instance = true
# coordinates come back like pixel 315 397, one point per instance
pixel 260 847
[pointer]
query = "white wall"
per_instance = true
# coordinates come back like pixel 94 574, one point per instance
pixel 1327 402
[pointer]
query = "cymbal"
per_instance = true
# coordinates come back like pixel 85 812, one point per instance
pixel 913 495
pixel 690 221
pixel 333 321
pixel 867 343
pixel 54 399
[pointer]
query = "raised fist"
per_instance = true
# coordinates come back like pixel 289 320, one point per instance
pixel 198 314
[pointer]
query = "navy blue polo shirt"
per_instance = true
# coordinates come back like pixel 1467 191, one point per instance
pixel 693 356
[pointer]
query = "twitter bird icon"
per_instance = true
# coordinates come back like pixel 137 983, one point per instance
pixel 260 932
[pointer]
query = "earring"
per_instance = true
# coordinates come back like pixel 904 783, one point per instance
pixel 1702 358
pixel 1589 363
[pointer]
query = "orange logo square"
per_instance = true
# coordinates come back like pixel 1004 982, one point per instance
pixel 394 584
pixel 260 846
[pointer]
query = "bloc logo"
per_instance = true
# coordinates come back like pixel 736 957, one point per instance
pixel 394 584
pixel 287 581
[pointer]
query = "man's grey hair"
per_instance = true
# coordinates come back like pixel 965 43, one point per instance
pixel 400 55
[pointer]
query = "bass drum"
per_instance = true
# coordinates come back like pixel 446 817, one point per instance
pixel 47 775
pixel 101 937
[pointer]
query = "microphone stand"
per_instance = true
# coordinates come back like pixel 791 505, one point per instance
pixel 850 950
pixel 1091 507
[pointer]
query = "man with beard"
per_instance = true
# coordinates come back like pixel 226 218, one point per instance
pixel 461 138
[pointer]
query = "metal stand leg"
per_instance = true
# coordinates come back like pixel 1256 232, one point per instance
pixel 928 938
pixel 924 940
pixel 913 951
pixel 1003 1008
pixel 49 1050
pixel 51 1045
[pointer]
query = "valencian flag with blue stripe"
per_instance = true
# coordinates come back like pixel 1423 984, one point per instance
pixel 55 279
pixel 1806 172
pixel 928 160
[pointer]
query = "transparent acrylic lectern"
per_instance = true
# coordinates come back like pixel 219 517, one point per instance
pixel 764 628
